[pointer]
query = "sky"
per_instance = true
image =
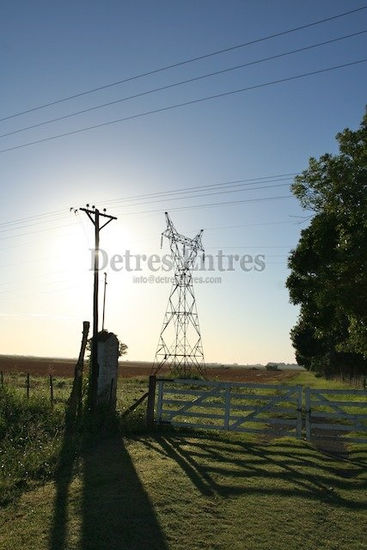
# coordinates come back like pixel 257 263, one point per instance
pixel 259 137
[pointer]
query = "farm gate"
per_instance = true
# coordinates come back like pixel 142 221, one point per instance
pixel 260 408
pixel 231 406
pixel 332 414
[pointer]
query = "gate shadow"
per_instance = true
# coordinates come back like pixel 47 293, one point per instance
pixel 226 467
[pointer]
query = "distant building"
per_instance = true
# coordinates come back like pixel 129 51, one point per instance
pixel 272 366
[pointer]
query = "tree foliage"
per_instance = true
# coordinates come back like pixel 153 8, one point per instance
pixel 329 266
pixel 122 347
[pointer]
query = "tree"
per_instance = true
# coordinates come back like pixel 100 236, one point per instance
pixel 329 266
pixel 122 347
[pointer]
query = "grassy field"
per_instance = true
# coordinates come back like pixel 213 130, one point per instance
pixel 200 492
pixel 173 490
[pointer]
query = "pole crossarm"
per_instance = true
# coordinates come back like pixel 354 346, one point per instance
pixel 90 213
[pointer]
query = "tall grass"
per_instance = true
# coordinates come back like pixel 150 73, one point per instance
pixel 30 436
pixel 32 431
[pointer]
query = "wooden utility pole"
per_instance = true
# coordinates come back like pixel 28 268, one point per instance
pixel 104 299
pixel 95 215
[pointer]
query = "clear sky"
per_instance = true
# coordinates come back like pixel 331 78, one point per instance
pixel 51 50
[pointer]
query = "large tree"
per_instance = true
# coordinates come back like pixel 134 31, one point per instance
pixel 329 266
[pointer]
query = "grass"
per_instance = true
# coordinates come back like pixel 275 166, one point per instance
pixel 30 435
pixel 172 490
pixel 31 431
pixel 308 379
pixel 177 491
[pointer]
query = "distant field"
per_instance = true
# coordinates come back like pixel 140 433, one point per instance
pixel 40 366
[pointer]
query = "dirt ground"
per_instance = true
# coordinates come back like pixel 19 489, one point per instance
pixel 39 366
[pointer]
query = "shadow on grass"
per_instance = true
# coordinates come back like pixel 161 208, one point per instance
pixel 69 452
pixel 225 467
pixel 116 513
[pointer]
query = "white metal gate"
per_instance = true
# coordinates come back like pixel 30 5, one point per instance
pixel 253 408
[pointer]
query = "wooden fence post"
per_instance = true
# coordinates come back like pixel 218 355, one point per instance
pixel 151 401
pixel 27 384
pixel 308 413
pixel 299 413
pixel 51 390
pixel 74 403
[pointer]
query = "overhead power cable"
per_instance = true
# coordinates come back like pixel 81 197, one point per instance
pixel 30 218
pixel 216 192
pixel 179 208
pixel 38 231
pixel 208 190
pixel 261 224
pixel 210 205
pixel 183 104
pixel 185 62
pixel 165 194
pixel 48 228
pixel 180 83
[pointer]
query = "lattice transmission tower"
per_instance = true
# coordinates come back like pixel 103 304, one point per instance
pixel 180 344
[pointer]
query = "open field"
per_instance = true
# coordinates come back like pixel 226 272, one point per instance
pixel 64 368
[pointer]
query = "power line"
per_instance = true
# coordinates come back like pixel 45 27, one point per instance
pixel 183 104
pixel 185 62
pixel 261 224
pixel 210 205
pixel 248 181
pixel 24 226
pixel 210 190
pixel 164 195
pixel 28 218
pixel 38 231
pixel 226 191
pixel 247 246
pixel 180 83
pixel 52 228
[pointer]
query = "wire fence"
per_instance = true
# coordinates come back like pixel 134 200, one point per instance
pixel 57 389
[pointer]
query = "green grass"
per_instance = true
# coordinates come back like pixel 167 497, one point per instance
pixel 128 390
pixel 308 379
pixel 30 435
pixel 31 431
pixel 177 491
pixel 171 490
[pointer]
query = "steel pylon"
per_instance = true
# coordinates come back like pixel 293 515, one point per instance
pixel 179 345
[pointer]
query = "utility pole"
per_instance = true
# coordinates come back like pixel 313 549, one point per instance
pixel 104 298
pixel 95 217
